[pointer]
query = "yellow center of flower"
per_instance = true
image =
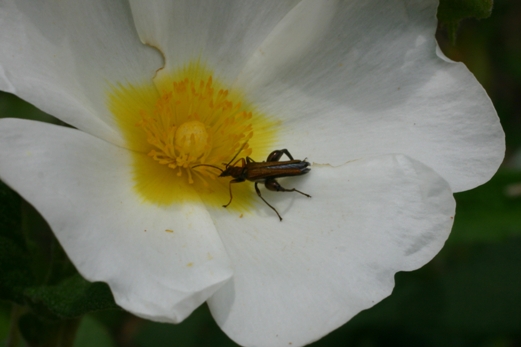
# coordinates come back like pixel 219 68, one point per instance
pixel 191 139
pixel 180 128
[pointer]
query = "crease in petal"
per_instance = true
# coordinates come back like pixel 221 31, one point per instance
pixel 374 84
pixel 289 40
pixel 226 33
pixel 60 56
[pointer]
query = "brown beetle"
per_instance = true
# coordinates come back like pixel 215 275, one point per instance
pixel 267 171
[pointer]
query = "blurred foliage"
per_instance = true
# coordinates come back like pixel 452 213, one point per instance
pixel 36 275
pixel 452 12
pixel 469 295
pixel 490 213
pixel 14 107
pixel 92 333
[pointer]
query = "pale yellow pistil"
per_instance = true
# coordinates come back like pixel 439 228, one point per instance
pixel 178 147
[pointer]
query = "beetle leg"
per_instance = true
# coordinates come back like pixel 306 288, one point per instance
pixel 273 185
pixel 259 194
pixel 237 180
pixel 243 163
pixel 277 154
pixel 250 160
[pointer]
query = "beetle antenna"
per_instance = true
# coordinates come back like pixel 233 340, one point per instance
pixel 215 167
pixel 236 154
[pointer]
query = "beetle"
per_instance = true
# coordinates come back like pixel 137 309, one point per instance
pixel 267 171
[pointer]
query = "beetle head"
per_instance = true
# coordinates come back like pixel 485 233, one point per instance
pixel 226 172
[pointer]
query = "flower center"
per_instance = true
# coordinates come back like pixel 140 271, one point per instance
pixel 191 139
pixel 186 125
pixel 178 147
pixel 187 120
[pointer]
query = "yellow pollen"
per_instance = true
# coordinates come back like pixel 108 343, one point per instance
pixel 185 120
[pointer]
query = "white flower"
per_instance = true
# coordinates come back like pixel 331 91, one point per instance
pixel 391 126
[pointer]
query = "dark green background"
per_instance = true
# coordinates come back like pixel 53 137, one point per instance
pixel 469 295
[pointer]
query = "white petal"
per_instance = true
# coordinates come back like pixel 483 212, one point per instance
pixel 223 34
pixel 370 79
pixel 83 188
pixel 333 255
pixel 62 57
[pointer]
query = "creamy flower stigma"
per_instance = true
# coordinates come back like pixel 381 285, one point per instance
pixel 185 120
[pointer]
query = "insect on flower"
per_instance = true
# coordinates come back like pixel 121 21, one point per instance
pixel 267 171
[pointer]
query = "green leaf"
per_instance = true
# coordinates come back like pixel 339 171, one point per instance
pixel 10 214
pixel 16 275
pixel 37 275
pixel 71 298
pixel 16 272
pixel 452 12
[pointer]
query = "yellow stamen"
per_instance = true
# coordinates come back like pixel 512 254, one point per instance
pixel 185 120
